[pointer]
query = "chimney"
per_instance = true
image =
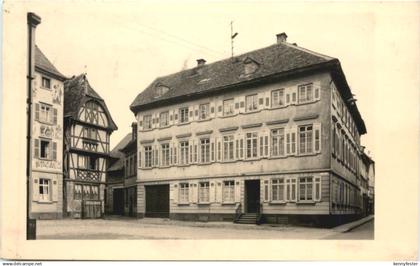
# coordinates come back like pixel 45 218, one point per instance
pixel 281 37
pixel 134 131
pixel 201 62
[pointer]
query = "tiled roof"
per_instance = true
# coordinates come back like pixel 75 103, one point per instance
pixel 42 62
pixel 77 91
pixel 276 61
pixel 117 154
pixel 273 59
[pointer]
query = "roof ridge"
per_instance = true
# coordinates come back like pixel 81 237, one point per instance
pixel 326 57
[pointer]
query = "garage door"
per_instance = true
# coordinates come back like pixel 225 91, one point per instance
pixel 157 201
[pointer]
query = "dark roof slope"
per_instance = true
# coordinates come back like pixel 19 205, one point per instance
pixel 272 59
pixel 117 154
pixel 42 63
pixel 77 91
pixel 273 62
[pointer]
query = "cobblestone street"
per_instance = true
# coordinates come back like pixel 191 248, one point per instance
pixel 154 228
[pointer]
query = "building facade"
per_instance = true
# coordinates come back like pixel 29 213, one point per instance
pixel 271 135
pixel 45 193
pixel 87 129
pixel 122 176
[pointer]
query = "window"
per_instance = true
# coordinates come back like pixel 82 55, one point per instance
pixel 46 83
pixel 183 115
pixel 164 119
pixel 205 150
pixel 229 191
pixel 277 97
pixel 93 163
pixel 306 93
pixel 165 154
pixel 148 156
pixel 277 142
pixel 291 189
pixel 228 107
pixel 89 133
pixel 45 114
pixel 45 149
pixel 184 152
pixel 305 189
pixel 147 122
pixel 183 192
pixel 203 192
pixel 305 139
pixel 228 148
pixel 251 145
pixel 251 102
pixel 77 192
pixel 277 189
pixel 44 189
pixel 204 111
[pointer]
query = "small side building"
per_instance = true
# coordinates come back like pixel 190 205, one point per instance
pixel 121 176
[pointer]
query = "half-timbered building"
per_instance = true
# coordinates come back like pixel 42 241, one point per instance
pixel 46 179
pixel 87 129
pixel 270 135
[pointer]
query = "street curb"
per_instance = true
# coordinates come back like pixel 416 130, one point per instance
pixel 350 226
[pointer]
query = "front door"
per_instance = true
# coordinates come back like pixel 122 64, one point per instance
pixel 157 201
pixel 118 201
pixel 252 194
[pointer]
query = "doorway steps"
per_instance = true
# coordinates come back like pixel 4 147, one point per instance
pixel 247 218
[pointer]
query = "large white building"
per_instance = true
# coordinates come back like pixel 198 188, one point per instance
pixel 270 135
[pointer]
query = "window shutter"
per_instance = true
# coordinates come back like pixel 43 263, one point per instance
pixel 35 189
pixel 317 137
pixel 266 192
pixel 175 189
pixel 139 159
pixel 266 144
pixel 195 193
pixel 293 139
pixel 242 149
pixel 37 111
pixel 212 192
pixel 54 116
pixel 219 149
pixel 175 116
pixel 157 155
pixel 241 104
pixel 287 141
pixel 237 191
pixel 219 187
pixel 317 188
pixel 54 150
pixel 54 186
pixel 317 90
pixel 36 150
pixel 261 145
pixel 212 150
pixel 190 143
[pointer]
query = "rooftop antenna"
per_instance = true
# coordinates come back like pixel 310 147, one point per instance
pixel 232 36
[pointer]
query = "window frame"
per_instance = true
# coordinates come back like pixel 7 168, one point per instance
pixel 205 150
pixel 303 96
pixel 45 80
pixel 184 152
pixel 165 154
pixel 254 98
pixel 48 152
pixel 148 156
pixel 280 185
pixel 164 116
pixel 147 122
pixel 41 187
pixel 204 109
pixel 228 148
pixel 308 135
pixel 204 187
pixel 228 107
pixel 278 136
pixel 184 193
pixel 230 190
pixel 251 139
pixel 281 98
pixel 183 115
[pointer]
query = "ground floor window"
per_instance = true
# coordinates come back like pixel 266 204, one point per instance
pixel 203 192
pixel 183 192
pixel 305 189
pixel 44 189
pixel 90 192
pixel 77 192
pixel 277 189
pixel 229 191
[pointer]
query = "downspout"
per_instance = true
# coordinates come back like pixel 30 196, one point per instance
pixel 33 20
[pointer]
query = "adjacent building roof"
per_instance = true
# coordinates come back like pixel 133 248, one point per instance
pixel 271 63
pixel 77 91
pixel 43 64
pixel 117 154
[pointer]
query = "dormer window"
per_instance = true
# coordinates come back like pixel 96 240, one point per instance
pixel 160 90
pixel 250 66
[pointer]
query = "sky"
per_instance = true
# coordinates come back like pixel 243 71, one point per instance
pixel 123 48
